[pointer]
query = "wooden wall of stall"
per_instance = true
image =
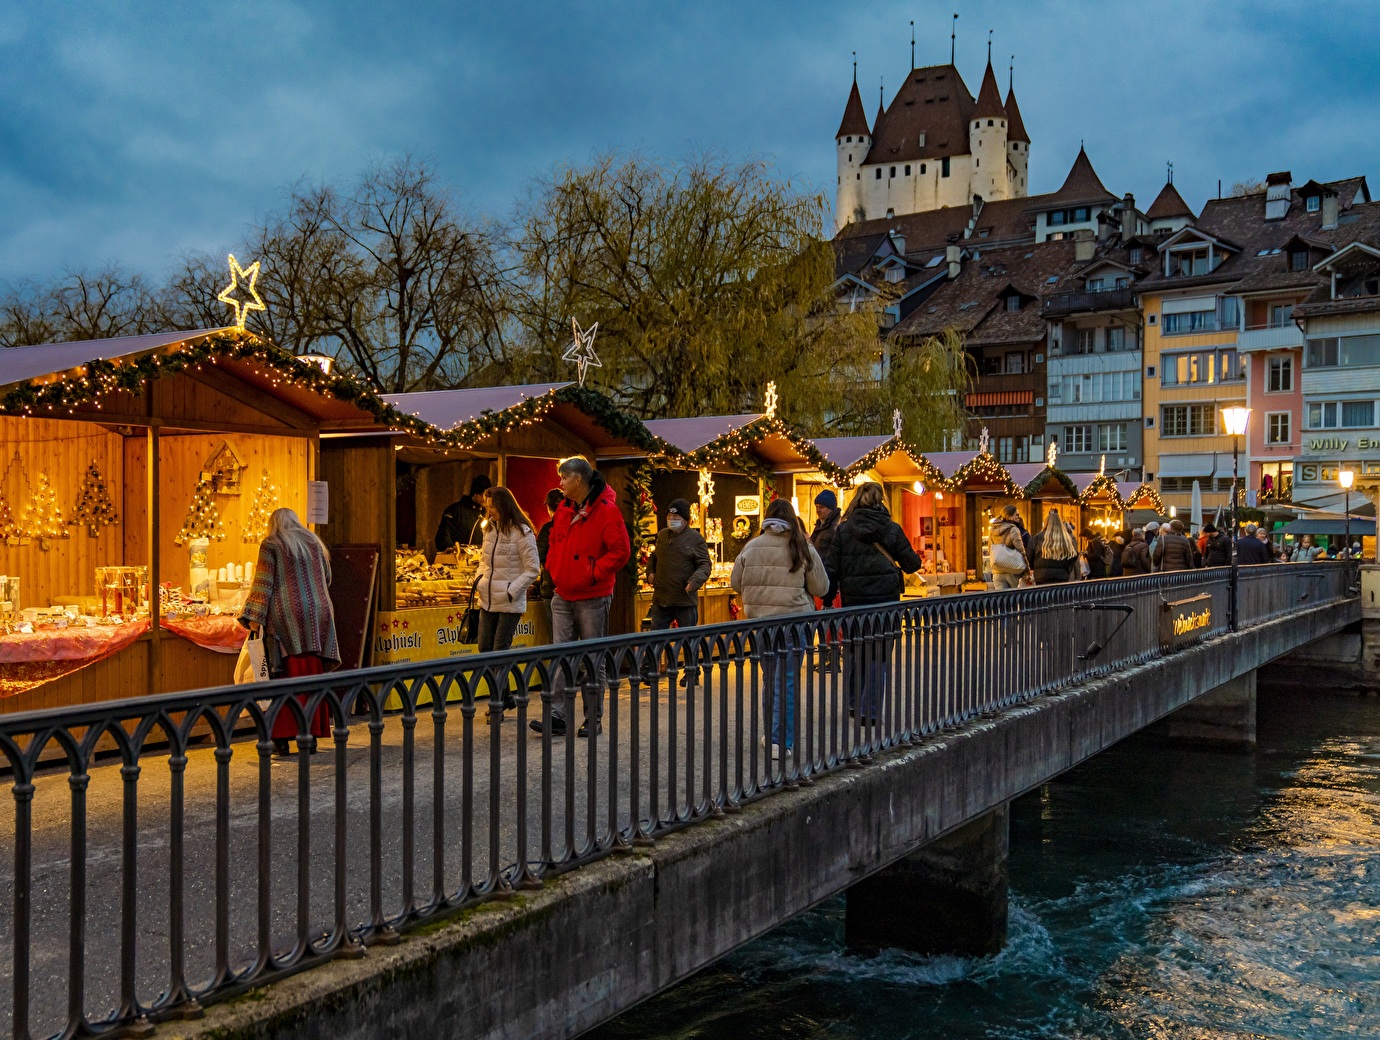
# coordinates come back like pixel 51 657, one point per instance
pixel 62 451
pixel 183 456
pixel 361 475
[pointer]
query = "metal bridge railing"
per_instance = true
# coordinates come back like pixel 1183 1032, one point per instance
pixel 163 857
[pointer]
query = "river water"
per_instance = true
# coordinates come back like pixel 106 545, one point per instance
pixel 1155 892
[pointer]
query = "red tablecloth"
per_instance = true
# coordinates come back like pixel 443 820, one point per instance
pixel 218 632
pixel 31 659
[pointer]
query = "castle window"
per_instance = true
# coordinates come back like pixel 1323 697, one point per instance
pixel 907 169
pixel 922 169
pixel 879 173
pixel 944 166
pixel 893 171
pixel 849 140
pixel 850 156
pixel 989 122
pixel 977 163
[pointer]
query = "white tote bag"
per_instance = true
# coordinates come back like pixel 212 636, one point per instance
pixel 1006 559
pixel 252 665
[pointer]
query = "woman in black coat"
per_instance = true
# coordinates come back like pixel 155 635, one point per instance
pixel 866 562
pixel 1053 552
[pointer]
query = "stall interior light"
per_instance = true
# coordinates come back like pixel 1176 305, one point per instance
pixel 322 361
pixel 1346 478
pixel 939 496
pixel 919 488
pixel 1235 420
pixel 1173 512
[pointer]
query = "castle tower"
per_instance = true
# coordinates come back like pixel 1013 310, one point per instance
pixel 853 141
pixel 1017 148
pixel 987 140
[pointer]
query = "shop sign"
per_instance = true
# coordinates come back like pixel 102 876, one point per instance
pixel 433 634
pixel 1185 621
pixel 1367 443
pixel 747 505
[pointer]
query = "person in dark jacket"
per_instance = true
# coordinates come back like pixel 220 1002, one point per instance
pixel 677 568
pixel 1119 542
pixel 1096 552
pixel 460 520
pixel 1053 552
pixel 1135 559
pixel 1174 551
pixel 1011 515
pixel 1250 549
pixel 544 588
pixel 827 517
pixel 866 562
pixel 1218 551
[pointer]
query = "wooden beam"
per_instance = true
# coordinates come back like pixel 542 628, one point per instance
pixel 232 388
pixel 155 570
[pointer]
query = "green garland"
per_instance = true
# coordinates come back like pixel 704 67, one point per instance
pixel 1055 474
pixel 643 511
pixel 984 466
pixel 734 449
pixel 1103 482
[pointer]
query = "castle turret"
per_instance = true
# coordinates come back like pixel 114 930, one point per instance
pixel 853 140
pixel 987 136
pixel 1017 148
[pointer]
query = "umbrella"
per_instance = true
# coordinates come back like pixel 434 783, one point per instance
pixel 1195 516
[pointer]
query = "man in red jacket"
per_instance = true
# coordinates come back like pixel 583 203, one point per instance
pixel 589 544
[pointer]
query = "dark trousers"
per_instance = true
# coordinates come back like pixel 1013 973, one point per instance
pixel 684 617
pixel 496 633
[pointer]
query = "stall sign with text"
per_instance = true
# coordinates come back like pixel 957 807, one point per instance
pixel 432 634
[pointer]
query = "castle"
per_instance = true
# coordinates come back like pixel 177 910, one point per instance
pixel 935 146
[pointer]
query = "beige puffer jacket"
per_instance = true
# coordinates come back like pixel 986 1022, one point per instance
pixel 762 575
pixel 508 565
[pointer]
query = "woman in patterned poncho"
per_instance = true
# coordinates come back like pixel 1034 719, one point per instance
pixel 290 605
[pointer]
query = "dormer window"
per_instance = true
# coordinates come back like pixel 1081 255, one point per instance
pixel 1135 254
pixel 1095 284
pixel 1013 303
pixel 1313 203
pixel 895 274
pixel 1298 259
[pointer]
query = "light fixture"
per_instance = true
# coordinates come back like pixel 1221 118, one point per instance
pixel 1235 419
pixel 322 361
pixel 1173 512
pixel 1346 478
pixel 939 496
pixel 918 487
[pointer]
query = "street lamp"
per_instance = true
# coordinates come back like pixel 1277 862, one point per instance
pixel 1235 419
pixel 1346 478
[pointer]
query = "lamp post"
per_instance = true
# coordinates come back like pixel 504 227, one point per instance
pixel 1235 419
pixel 1346 478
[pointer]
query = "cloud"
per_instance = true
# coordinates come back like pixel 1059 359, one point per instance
pixel 140 131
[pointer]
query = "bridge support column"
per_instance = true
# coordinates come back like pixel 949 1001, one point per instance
pixel 1223 717
pixel 948 897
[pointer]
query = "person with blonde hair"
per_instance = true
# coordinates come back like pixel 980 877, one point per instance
pixel 289 605
pixel 1053 552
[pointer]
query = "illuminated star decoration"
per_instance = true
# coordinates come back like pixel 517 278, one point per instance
pixel 1102 467
pixel 1052 454
pixel 242 278
pixel 896 422
pixel 581 352
pixel 771 400
pixel 984 440
pixel 706 488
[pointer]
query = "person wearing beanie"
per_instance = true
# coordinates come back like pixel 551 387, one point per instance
pixel 460 520
pixel 827 516
pixel 1216 547
pixel 678 566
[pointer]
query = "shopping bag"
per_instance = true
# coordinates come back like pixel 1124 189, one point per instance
pixel 252 665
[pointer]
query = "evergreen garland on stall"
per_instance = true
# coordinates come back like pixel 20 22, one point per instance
pixel 643 528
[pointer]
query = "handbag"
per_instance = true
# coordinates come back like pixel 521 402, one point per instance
pixel 252 664
pixel 900 574
pixel 1006 559
pixel 469 620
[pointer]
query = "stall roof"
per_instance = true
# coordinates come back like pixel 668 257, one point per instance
pixel 448 409
pixel 845 452
pixel 25 364
pixel 692 434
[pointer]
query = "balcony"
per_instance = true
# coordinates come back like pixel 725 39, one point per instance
pixel 1270 337
pixel 1060 304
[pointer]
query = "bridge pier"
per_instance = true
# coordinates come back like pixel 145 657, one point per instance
pixel 1223 717
pixel 948 897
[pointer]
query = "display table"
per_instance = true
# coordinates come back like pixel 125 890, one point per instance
pixel 714 605
pixel 31 659
pixel 218 632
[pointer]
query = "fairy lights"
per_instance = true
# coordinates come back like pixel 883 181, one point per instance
pixel 1052 454
pixel 255 528
pixel 42 517
pixel 706 488
pixel 243 279
pixel 896 423
pixel 770 403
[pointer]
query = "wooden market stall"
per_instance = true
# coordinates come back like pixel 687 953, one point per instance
pixel 407 476
pixel 141 471
pixel 1102 508
pixel 976 488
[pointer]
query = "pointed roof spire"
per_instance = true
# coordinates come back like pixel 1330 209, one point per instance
pixel 881 109
pixel 989 97
pixel 1169 204
pixel 912 43
pixel 854 118
pixel 1015 126
pixel 1083 183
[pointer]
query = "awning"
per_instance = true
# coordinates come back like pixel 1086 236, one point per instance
pixel 1330 528
pixel 999 397
pixel 692 434
pixel 447 409
pixel 1187 465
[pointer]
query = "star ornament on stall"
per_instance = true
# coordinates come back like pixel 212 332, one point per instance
pixel 984 440
pixel 242 281
pixel 1052 454
pixel 769 405
pixel 896 422
pixel 581 352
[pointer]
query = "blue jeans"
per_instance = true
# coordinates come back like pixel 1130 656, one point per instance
pixel 572 620
pixel 779 673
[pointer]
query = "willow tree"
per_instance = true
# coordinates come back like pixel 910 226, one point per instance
pixel 708 279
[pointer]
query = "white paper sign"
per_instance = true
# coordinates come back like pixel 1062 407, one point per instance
pixel 318 502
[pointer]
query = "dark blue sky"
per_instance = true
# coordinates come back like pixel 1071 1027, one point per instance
pixel 138 131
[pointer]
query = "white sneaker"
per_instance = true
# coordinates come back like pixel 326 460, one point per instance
pixel 776 752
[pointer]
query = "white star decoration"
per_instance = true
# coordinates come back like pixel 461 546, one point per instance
pixel 581 352
pixel 896 422
pixel 1052 454
pixel 1102 467
pixel 984 441
pixel 706 488
pixel 771 401
pixel 242 278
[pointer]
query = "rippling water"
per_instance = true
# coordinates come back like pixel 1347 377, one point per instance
pixel 1155 893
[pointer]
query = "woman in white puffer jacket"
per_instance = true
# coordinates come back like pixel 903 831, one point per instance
pixel 508 565
pixel 779 572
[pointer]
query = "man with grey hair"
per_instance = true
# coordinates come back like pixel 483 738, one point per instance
pixel 589 545
pixel 1250 549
